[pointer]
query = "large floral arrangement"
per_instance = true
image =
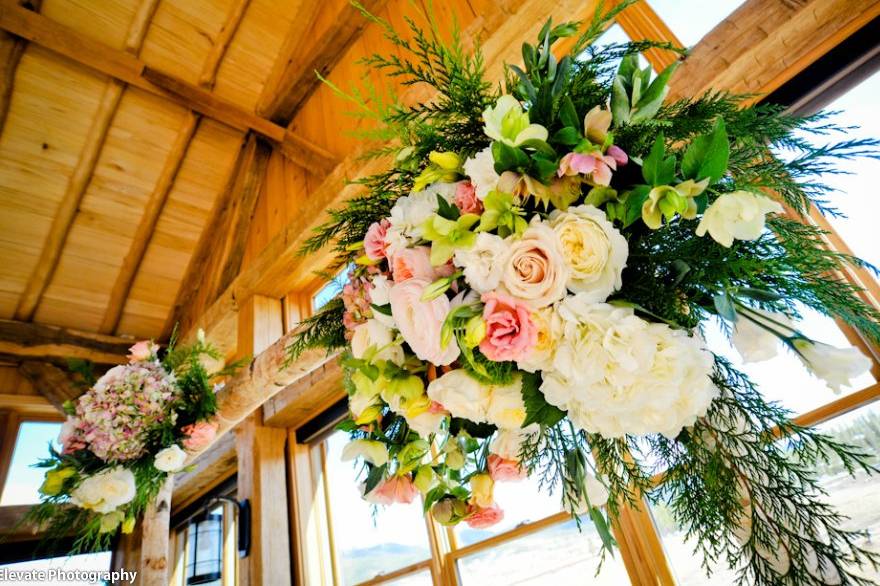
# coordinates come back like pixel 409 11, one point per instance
pixel 133 427
pixel 530 279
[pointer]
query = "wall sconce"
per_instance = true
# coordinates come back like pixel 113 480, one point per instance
pixel 206 546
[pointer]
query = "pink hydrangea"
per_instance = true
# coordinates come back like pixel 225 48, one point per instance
pixel 466 198
pixel 503 470
pixel 510 331
pixel 375 245
pixel 117 413
pixel 356 299
pixel 484 517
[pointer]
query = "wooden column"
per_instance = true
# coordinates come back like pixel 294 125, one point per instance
pixel 262 467
pixel 155 530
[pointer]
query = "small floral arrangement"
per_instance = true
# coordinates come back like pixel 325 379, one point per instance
pixel 133 427
pixel 530 280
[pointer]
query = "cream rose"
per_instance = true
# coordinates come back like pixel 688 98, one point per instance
pixel 420 321
pixel 594 251
pixel 170 459
pixel 105 491
pixel 483 263
pixel 506 408
pixel 535 270
pixel 461 394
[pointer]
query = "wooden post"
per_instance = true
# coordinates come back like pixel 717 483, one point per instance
pixel 262 468
pixel 155 532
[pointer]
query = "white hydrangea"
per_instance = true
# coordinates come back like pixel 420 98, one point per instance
pixel 481 170
pixel 483 263
pixel 617 374
pixel 410 211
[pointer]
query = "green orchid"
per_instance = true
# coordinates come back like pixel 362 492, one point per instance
pixel 444 167
pixel 506 122
pixel 501 213
pixel 665 201
pixel 448 235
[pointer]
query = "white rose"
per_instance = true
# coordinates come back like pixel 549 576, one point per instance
pixel 371 451
pixel 535 269
pixel 836 366
pixel 410 211
pixel 426 423
pixel 594 251
pixel 105 491
pixel 507 443
pixel 739 215
pixel 506 409
pixel 170 459
pixel 461 394
pixel 483 263
pixel 481 170
pixel 374 334
pixel 754 342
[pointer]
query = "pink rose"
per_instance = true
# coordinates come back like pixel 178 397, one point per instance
pixel 199 435
pixel 142 351
pixel 420 321
pixel 397 489
pixel 502 470
pixel 510 331
pixel 412 263
pixel 466 198
pixel 484 517
pixel 374 242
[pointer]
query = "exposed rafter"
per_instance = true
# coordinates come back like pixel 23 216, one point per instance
pixel 296 79
pixel 29 340
pixel 147 226
pixel 221 43
pixel 51 382
pixel 11 50
pixel 124 66
pixel 210 469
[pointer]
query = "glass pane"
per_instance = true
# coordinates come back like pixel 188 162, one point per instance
pixel 330 290
pixel 90 562
pixel 553 556
pixel 856 195
pixel 522 502
pixel 690 20
pixel 857 497
pixel 784 378
pixel 366 543
pixel 422 578
pixel 31 446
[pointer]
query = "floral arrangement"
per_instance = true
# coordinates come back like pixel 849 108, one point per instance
pixel 133 427
pixel 529 283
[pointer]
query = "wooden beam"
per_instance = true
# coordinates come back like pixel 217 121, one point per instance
pixel 51 382
pixel 29 406
pixel 46 342
pixel 764 43
pixel 14 529
pixel 69 206
pixel 155 533
pixel 211 468
pixel 247 191
pixel 11 50
pixel 9 423
pixel 124 66
pixel 147 225
pixel 262 478
pixel 640 22
pixel 137 30
pixel 281 100
pixel 306 398
pixel 221 43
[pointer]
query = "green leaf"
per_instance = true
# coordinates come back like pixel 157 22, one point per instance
pixel 680 269
pixel 383 309
pixel 374 476
pixel 538 410
pixel 652 98
pixel 446 209
pixel 633 203
pixel 602 529
pixel 724 306
pixel 568 114
pixel 568 136
pixel 508 158
pixel 666 172
pixel 653 163
pixel 758 294
pixel 543 168
pixel 628 65
pixel 620 111
pixel 347 425
pixel 707 155
pixel 525 83
pixel 539 146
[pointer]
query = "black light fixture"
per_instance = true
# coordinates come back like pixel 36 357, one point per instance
pixel 205 556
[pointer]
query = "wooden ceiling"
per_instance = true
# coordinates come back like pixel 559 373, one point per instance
pixel 121 122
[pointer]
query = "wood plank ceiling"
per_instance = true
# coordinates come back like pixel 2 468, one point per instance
pixel 121 123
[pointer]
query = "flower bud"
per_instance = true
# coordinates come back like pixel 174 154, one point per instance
pixel 369 415
pixel 449 511
pixel 128 525
pixel 482 488
pixel 111 521
pixel 475 331
pixel 425 480
pixel 455 459
pixel 54 481
pixel 445 160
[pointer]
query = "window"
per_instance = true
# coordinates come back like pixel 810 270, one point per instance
pixel 330 290
pixel 206 545
pixel 90 562
pixel 690 20
pixel 31 445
